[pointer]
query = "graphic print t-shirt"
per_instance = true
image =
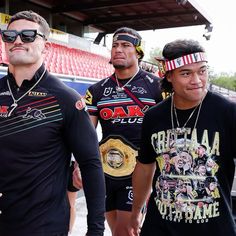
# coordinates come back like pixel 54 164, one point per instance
pixel 194 169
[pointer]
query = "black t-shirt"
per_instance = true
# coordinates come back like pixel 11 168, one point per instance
pixel 191 197
pixel 37 140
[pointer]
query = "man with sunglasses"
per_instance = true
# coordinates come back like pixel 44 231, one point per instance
pixel 26 36
pixel 42 122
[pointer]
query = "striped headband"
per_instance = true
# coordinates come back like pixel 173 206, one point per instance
pixel 185 60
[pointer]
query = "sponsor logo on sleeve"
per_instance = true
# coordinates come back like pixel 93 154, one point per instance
pixel 80 104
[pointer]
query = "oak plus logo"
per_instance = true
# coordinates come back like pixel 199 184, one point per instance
pixel 132 114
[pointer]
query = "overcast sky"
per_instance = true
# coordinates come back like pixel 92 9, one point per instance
pixel 221 48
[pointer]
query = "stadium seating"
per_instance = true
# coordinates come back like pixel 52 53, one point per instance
pixel 70 61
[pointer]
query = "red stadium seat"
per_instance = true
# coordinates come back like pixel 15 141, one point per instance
pixel 71 61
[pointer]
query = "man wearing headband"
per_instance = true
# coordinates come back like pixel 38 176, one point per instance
pixel 119 103
pixel 190 117
pixel 42 123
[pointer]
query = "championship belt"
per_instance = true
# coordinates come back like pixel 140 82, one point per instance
pixel 118 156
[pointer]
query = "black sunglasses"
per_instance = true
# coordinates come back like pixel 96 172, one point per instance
pixel 27 36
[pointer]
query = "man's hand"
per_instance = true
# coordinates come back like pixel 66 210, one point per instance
pixel 135 225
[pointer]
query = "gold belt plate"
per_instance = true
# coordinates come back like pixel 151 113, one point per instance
pixel 118 158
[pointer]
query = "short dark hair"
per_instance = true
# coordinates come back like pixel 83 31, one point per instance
pixel 128 31
pixel 175 49
pixel 34 17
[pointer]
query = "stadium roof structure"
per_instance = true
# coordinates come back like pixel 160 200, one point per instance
pixel 108 15
pixel 105 16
